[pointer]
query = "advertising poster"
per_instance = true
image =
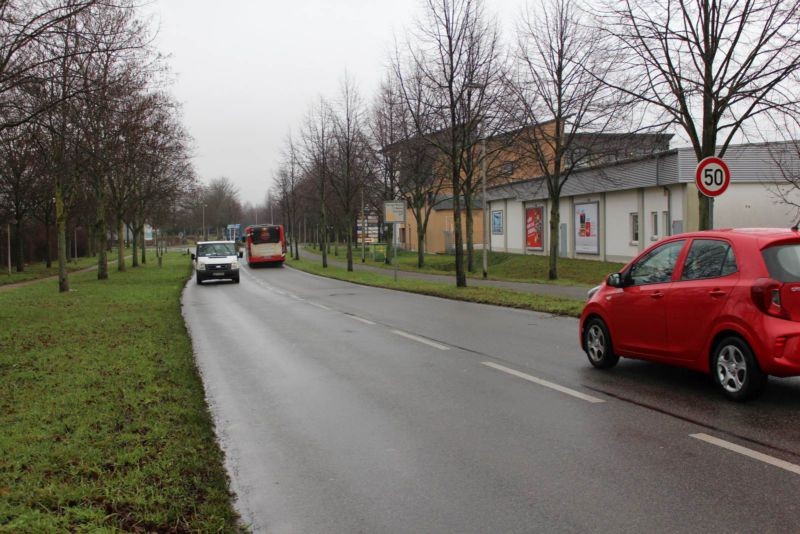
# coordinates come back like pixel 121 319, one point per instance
pixel 587 240
pixel 497 222
pixel 533 227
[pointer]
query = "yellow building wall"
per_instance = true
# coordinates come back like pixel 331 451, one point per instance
pixel 439 222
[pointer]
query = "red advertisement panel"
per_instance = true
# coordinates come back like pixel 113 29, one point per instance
pixel 533 227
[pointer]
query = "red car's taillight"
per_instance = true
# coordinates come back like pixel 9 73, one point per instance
pixel 766 294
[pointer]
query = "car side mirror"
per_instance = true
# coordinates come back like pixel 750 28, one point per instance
pixel 241 254
pixel 193 256
pixel 614 280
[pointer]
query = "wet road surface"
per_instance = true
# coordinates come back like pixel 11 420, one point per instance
pixel 344 408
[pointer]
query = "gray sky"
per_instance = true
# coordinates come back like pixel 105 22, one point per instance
pixel 247 70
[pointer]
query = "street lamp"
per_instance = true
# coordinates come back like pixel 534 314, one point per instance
pixel 205 236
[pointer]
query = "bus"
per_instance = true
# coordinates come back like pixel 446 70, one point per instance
pixel 266 244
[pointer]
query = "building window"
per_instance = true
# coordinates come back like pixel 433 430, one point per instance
pixel 507 168
pixel 635 228
pixel 654 220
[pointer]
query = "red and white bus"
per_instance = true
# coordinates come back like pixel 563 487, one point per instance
pixel 266 243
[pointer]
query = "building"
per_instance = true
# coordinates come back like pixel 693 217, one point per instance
pixel 615 210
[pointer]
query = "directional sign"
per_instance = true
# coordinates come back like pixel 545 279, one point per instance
pixel 394 212
pixel 712 176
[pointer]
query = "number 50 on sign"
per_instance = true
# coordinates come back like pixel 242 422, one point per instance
pixel 712 176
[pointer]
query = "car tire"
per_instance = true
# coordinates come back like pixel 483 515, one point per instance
pixel 199 280
pixel 736 370
pixel 597 344
pixel 236 280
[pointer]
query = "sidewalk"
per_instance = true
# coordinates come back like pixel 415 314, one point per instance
pixel 572 292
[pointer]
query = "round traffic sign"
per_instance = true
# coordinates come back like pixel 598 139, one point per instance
pixel 712 176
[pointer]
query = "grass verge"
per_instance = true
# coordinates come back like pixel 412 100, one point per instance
pixel 502 266
pixel 484 295
pixel 103 415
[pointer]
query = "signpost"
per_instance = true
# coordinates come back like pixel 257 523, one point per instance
pixel 394 212
pixel 712 177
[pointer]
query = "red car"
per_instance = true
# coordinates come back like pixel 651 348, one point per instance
pixel 723 301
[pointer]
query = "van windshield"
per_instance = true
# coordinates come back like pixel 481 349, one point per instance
pixel 216 249
pixel 783 262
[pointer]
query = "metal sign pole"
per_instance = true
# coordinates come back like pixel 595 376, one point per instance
pixel 394 235
pixel 711 213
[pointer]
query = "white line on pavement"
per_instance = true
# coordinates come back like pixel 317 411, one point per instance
pixel 545 383
pixel 750 453
pixel 421 340
pixel 361 319
pixel 320 306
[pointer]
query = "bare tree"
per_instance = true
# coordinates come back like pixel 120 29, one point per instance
pixel 419 178
pixel 351 162
pixel 712 67
pixel 456 53
pixel 563 107
pixel 31 53
pixel 317 138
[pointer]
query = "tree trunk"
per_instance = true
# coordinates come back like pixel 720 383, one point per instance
pixel 120 244
pixel 389 240
pixel 100 235
pixel 135 246
pixel 421 245
pixel 20 246
pixel 555 221
pixel 144 246
pixel 350 245
pixel 61 232
pixel 470 234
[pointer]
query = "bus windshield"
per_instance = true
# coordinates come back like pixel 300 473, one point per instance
pixel 271 234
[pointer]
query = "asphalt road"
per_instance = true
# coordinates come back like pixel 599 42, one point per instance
pixel 344 408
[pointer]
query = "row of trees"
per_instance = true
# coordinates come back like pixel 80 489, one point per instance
pixel 457 100
pixel 88 135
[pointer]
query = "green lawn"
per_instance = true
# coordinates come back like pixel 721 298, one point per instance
pixel 503 266
pixel 486 295
pixel 35 271
pixel 103 415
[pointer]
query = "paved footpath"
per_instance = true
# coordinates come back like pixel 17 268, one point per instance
pixel 574 292
pixel 9 287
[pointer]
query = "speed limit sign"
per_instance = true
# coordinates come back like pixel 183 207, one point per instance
pixel 712 176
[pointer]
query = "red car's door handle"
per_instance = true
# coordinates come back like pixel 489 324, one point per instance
pixel 657 295
pixel 716 293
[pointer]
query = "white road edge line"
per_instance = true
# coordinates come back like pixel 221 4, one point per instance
pixel 361 319
pixel 750 453
pixel 545 383
pixel 421 340
pixel 320 306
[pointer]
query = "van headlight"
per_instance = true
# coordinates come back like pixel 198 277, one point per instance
pixel 201 266
pixel 234 265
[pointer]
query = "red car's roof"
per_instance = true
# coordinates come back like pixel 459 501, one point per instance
pixel 764 236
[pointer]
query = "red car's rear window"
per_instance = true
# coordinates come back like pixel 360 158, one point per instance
pixel 783 262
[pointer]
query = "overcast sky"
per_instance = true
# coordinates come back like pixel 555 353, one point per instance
pixel 247 70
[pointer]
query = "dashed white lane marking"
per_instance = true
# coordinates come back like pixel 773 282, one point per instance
pixel 750 453
pixel 421 340
pixel 545 383
pixel 361 319
pixel 320 306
